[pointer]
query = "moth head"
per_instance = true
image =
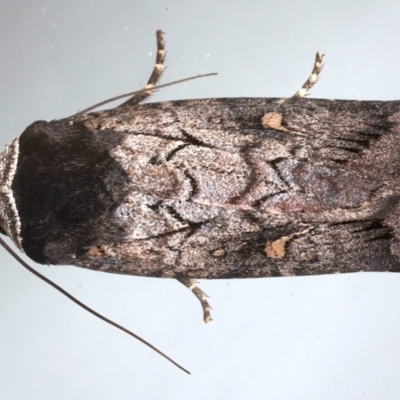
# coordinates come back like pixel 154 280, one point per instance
pixel 9 220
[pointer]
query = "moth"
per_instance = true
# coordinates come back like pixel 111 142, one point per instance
pixel 209 189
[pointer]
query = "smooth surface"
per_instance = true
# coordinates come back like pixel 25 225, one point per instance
pixel 329 337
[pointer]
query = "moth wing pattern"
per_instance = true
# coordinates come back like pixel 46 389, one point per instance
pixel 211 188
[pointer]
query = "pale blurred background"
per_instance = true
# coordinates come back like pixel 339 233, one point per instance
pixel 327 337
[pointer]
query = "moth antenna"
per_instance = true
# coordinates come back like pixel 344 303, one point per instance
pixel 86 110
pixel 84 306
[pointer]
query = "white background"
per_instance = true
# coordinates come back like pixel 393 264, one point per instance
pixel 328 337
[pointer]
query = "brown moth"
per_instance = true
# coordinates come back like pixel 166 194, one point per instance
pixel 208 189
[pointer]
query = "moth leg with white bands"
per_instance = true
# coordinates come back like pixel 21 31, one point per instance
pixel 313 78
pixel 155 75
pixel 191 284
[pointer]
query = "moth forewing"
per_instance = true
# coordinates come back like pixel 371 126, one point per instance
pixel 208 189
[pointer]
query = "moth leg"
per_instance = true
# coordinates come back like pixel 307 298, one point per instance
pixel 313 78
pixel 190 284
pixel 155 75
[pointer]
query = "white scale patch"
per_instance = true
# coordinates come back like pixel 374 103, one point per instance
pixel 9 218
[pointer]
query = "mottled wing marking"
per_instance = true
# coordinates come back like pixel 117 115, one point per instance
pixel 277 248
pixel 273 120
pixel 231 184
